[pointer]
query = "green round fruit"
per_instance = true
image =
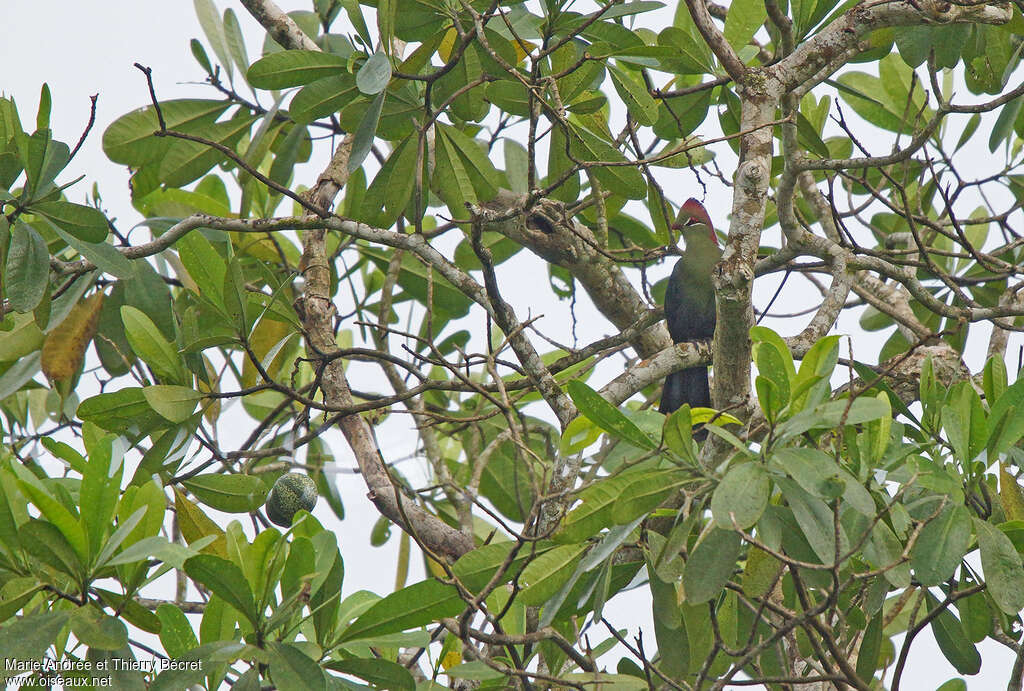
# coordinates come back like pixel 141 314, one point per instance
pixel 291 492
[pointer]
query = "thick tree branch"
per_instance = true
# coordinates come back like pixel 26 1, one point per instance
pixel 716 40
pixel 279 25
pixel 433 534
pixel 818 57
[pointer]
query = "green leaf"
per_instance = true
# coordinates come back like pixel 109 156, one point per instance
pixel 885 102
pixel 711 564
pixel 949 635
pixel 1002 437
pixel 693 56
pixel 28 269
pixel 594 512
pixel 619 682
pixel 678 433
pixel 914 44
pixel 815 519
pixel 476 671
pixel 98 493
pixel 326 584
pixel 1003 126
pixel 123 531
pixel 870 648
pixel 293 670
pixel 884 550
pixel 28 638
pixel 769 397
pixel 476 568
pixel 235 41
pixel 211 24
pixel 355 16
pixel 104 256
pixel 624 179
pixel 382 673
pixel 818 362
pixel 1001 564
pixel 226 581
pixel 199 53
pixel 122 411
pixel 743 20
pixel 362 142
pixel 193 666
pixel 148 292
pixel 829 415
pixel 10 605
pixel 99 630
pixel 235 298
pixel 941 546
pixel 293 68
pixel 741 496
pixel 392 188
pixel 607 417
pixel 813 470
pixel 45 103
pixel 448 302
pixel 19 373
pixel 578 435
pixel 969 130
pixel 44 159
pixel 44 541
pixel 231 493
pixel 84 222
pixel 803 12
pixel 175 403
pixel 176 634
pixel 204 264
pixel 53 510
pixel 387 11
pixel 779 367
pixel 186 161
pixel 149 344
pixel 129 139
pixel 559 164
pixel 516 165
pixel 374 75
pixel 645 493
pixel 415 605
pixel 468 158
pixel 546 574
pixel 288 154
pixel 964 419
pixel 634 94
pixel 994 378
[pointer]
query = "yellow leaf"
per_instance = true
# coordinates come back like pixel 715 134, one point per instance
pixel 211 408
pixel 267 334
pixel 447 45
pixel 194 524
pixel 433 568
pixel 452 658
pixel 1011 495
pixel 64 347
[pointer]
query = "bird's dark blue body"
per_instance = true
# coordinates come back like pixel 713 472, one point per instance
pixel 690 305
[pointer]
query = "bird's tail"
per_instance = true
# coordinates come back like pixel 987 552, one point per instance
pixel 686 386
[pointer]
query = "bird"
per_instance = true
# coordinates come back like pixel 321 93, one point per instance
pixel 690 304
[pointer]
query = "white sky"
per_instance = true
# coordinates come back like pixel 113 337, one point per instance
pixel 85 48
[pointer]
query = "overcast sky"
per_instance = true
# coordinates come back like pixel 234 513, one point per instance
pixel 85 48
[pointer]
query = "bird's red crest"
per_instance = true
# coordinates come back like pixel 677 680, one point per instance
pixel 693 212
